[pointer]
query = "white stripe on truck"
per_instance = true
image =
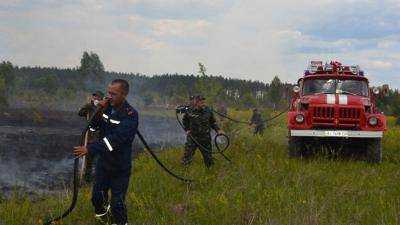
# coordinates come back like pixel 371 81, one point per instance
pixel 342 99
pixel 330 99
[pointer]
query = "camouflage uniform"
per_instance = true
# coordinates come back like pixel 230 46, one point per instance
pixel 199 122
pixel 256 119
pixel 87 111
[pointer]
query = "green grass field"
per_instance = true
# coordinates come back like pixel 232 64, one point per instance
pixel 261 186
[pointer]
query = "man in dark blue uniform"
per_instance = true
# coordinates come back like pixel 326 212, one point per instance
pixel 117 123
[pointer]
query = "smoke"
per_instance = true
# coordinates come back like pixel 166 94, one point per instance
pixel 34 177
pixel 38 160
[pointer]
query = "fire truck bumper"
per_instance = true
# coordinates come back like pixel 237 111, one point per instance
pixel 336 133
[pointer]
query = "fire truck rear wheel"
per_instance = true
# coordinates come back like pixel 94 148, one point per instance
pixel 296 147
pixel 374 150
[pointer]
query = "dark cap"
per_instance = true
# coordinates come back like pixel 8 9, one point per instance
pixel 98 93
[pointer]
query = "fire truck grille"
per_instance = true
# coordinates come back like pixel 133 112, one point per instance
pixel 335 117
pixel 349 113
pixel 324 112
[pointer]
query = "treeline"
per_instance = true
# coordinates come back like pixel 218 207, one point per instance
pixel 68 88
pixel 60 88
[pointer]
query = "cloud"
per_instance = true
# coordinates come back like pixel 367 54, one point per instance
pixel 10 2
pixel 166 9
pixel 380 65
pixel 254 39
pixel 360 19
pixel 185 28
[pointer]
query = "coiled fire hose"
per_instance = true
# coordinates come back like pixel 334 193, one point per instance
pixel 76 171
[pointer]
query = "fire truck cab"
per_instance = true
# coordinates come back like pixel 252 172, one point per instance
pixel 333 103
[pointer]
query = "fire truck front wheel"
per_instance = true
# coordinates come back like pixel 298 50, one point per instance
pixel 374 150
pixel 296 147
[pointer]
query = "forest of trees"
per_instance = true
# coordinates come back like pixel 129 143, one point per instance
pixel 68 87
pixel 26 86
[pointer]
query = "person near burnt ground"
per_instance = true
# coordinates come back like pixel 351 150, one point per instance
pixel 117 122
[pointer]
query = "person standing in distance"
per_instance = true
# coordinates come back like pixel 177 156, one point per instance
pixel 257 121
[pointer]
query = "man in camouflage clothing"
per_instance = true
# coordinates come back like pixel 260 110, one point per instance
pixel 258 122
pixel 198 122
pixel 87 111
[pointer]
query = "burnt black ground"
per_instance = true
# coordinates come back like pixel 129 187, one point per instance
pixel 36 147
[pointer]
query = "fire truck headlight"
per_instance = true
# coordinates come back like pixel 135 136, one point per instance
pixel 299 118
pixel 373 121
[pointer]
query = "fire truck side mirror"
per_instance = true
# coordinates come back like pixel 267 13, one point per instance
pixel 296 89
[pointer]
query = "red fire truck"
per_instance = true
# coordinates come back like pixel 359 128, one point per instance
pixel 333 104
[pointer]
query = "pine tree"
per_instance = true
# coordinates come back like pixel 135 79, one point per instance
pixel 208 86
pixel 92 69
pixel 275 92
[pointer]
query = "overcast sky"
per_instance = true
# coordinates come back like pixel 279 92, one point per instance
pixel 250 39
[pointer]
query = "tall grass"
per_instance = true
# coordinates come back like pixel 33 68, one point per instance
pixel 261 186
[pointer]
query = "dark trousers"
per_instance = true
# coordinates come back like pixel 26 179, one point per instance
pixel 259 129
pixel 118 185
pixel 191 146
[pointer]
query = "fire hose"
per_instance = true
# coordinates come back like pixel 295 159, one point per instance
pixel 76 177
pixel 75 183
pixel 220 150
pixel 245 122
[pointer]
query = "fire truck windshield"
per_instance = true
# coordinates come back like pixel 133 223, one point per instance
pixel 335 86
